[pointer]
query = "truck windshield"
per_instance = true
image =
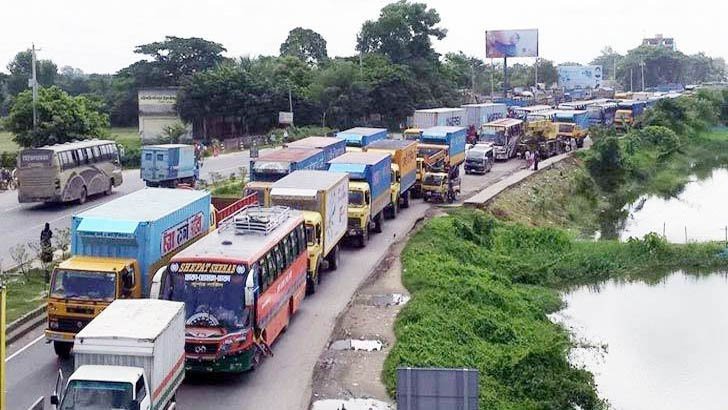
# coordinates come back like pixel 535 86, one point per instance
pixel 356 198
pixel 97 395
pixel 70 284
pixel 211 300
pixel 310 235
pixel 433 179
pixel 494 135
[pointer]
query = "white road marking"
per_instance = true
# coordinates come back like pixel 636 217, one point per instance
pixel 24 348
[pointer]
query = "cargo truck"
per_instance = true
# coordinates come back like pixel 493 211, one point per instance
pixel 168 165
pixel 116 248
pixel 332 147
pixel 571 124
pixel 360 137
pixel 369 191
pixel 324 199
pixel 451 137
pixel 429 158
pixel 130 357
pixel 404 171
pixel 443 117
pixel 479 114
pixel 275 165
pixel 627 113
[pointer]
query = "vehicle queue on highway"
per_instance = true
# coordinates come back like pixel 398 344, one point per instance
pixel 243 266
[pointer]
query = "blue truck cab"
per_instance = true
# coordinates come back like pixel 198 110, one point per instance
pixel 167 165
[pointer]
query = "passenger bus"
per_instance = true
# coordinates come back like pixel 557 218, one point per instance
pixel 241 285
pixel 68 172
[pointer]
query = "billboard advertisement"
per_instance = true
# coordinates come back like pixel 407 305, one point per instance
pixel 572 77
pixel 511 43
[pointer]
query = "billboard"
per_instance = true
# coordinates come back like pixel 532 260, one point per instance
pixel 511 43
pixel 572 77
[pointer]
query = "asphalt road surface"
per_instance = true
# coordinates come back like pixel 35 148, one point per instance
pixel 282 381
pixel 22 223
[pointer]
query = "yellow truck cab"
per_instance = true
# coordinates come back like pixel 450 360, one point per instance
pixel 80 288
pixel 440 186
pixel 262 189
pixel 403 171
pixel 623 119
pixel 412 134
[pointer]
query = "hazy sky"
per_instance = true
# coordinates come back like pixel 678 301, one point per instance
pixel 99 36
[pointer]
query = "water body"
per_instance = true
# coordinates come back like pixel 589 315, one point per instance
pixel 653 346
pixel 698 212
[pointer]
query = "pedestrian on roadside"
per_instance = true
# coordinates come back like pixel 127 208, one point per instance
pixel 45 242
pixel 527 157
pixel 536 158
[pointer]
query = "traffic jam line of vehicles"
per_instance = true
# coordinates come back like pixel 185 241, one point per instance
pixel 242 266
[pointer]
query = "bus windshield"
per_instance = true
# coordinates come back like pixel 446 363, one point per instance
pixel 97 395
pixel 494 135
pixel 211 300
pixel 69 284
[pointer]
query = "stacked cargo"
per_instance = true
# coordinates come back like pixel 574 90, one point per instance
pixel 479 114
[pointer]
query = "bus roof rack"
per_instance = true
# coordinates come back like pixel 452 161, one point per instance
pixel 260 219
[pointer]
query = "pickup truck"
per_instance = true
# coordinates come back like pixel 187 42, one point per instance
pixel 129 357
pixel 167 165
pixel 324 199
pixel 404 170
pixel 369 191
pixel 116 248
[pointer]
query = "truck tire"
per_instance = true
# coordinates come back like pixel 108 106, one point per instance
pixel 405 200
pixel 395 209
pixel 110 188
pixel 378 224
pixel 62 349
pixel 312 284
pixel 364 238
pixel 334 258
pixel 84 196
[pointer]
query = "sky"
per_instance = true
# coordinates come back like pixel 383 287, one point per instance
pixel 99 36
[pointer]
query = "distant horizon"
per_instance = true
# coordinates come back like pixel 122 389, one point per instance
pixel 101 40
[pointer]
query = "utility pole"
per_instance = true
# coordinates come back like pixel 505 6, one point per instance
pixel 631 78
pixel 614 67
pixel 642 66
pixel 290 103
pixel 34 84
pixel 492 78
pixel 535 68
pixel 3 305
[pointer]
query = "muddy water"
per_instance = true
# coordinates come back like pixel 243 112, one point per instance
pixel 698 212
pixel 660 346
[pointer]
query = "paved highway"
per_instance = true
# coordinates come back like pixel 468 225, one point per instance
pixel 282 381
pixel 22 223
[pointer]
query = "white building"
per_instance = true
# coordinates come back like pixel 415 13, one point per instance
pixel 157 111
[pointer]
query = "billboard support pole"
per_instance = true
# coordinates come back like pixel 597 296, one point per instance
pixel 505 77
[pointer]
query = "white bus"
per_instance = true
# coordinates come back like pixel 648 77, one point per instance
pixel 68 172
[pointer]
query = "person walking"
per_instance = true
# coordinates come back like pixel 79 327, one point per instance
pixel 527 157
pixel 45 242
pixel 536 158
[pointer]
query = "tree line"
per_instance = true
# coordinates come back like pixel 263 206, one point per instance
pixel 395 72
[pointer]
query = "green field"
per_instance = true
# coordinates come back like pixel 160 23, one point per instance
pixel 128 137
pixel 26 294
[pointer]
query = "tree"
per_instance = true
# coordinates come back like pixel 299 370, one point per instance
pixel 173 132
pixel 305 44
pixel 403 32
pixel 21 71
pixel 61 118
pixel 175 58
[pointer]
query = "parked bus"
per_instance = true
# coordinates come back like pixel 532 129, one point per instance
pixel 241 285
pixel 68 172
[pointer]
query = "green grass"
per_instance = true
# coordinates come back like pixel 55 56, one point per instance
pixel 6 142
pixel 481 292
pixel 25 295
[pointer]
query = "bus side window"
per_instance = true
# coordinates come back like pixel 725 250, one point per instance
pixel 81 154
pixel 262 282
pixel 97 154
pixel 271 269
pixel 89 156
pixel 294 243
pixel 288 250
pixel 281 264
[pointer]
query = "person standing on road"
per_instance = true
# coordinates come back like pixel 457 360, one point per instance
pixel 536 158
pixel 45 242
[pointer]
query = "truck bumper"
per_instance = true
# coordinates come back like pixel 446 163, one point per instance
pixel 55 336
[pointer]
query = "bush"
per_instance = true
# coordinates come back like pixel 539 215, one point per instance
pixel 132 157
pixel 9 159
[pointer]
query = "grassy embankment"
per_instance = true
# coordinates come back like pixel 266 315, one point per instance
pixel 482 287
pixel 25 293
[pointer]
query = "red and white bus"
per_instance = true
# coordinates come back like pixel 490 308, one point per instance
pixel 241 285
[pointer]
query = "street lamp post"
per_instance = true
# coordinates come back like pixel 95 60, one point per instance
pixel 642 66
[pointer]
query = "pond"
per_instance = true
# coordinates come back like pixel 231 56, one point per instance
pixel 653 346
pixel 698 213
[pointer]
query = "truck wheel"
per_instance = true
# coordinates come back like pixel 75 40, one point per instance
pixel 395 209
pixel 334 258
pixel 83 197
pixel 378 224
pixel 364 238
pixel 312 284
pixel 405 200
pixel 109 189
pixel 62 349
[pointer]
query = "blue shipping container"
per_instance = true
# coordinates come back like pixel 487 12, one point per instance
pixel 374 168
pixel 332 147
pixel 146 225
pixel 168 162
pixel 453 137
pixel 580 118
pixel 277 164
pixel 361 136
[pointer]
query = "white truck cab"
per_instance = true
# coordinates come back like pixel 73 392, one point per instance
pixel 105 387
